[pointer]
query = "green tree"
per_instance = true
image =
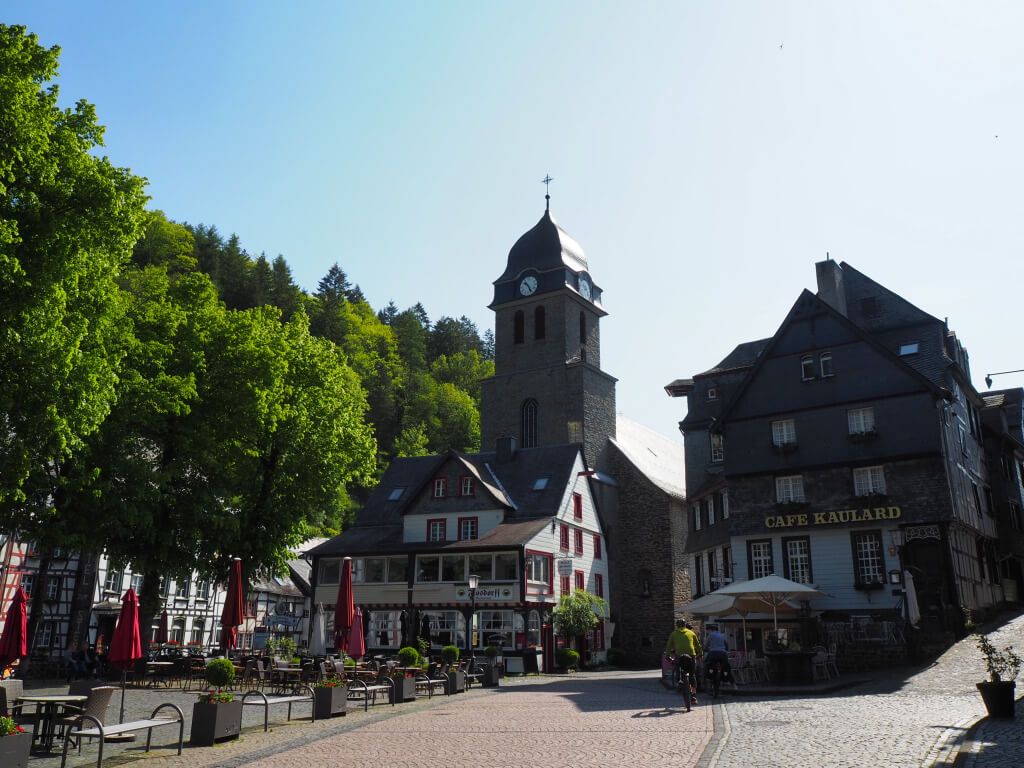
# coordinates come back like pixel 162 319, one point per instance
pixel 578 613
pixel 68 220
pixel 164 243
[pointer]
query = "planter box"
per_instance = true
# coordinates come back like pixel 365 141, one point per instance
pixel 215 722
pixel 491 677
pixel 14 750
pixel 405 688
pixel 328 702
pixel 998 698
pixel 456 681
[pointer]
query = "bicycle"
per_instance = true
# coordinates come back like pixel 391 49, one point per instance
pixel 679 678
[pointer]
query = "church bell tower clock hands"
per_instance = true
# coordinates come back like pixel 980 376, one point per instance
pixel 528 285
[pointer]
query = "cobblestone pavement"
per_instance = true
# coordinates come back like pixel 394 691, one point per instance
pixel 929 718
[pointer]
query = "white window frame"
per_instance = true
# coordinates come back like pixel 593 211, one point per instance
pixel 725 505
pixel 440 487
pixel 697 525
pixel 784 432
pixel 112 582
pixel 717 448
pixel 868 481
pixel 860 420
pixel 761 558
pixel 869 565
pixel 710 503
pixel 825 364
pixel 789 488
pixel 797 552
pixel 807 368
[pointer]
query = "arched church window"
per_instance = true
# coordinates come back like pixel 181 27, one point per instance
pixel 583 330
pixel 538 323
pixel 519 327
pixel 529 424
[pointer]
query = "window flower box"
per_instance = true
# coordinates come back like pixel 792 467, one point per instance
pixel 863 437
pixel 868 586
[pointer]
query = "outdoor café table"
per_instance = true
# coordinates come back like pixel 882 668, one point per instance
pixel 161 669
pixel 46 709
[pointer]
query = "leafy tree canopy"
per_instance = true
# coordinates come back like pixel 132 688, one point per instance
pixel 68 220
pixel 578 613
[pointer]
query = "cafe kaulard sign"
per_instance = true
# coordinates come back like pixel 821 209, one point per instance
pixel 837 517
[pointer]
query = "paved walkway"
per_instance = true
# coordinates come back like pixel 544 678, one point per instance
pixel 930 718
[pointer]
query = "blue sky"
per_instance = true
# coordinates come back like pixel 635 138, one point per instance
pixel 704 154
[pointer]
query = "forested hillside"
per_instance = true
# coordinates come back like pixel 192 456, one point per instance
pixel 421 378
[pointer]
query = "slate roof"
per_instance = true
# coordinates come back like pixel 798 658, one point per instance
pixel 379 525
pixel 544 247
pixel 743 356
pixel 655 456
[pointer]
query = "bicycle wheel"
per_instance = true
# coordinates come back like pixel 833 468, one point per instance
pixel 687 693
pixel 716 680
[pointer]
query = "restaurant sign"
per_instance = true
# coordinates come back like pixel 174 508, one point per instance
pixel 868 514
pixel 485 594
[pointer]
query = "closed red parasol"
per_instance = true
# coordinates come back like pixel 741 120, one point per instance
pixel 344 608
pixel 13 642
pixel 126 646
pixel 231 617
pixel 162 632
pixel 356 640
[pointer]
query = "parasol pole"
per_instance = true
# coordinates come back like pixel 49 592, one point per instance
pixel 123 674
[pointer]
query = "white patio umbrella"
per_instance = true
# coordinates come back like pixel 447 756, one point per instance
pixel 730 606
pixel 318 632
pixel 913 609
pixel 773 591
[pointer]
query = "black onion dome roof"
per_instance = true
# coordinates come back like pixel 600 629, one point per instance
pixel 543 248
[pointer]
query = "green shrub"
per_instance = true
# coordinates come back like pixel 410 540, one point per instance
pixel 408 656
pixel 567 658
pixel 491 651
pixel 220 673
pixel 450 654
pixel 617 657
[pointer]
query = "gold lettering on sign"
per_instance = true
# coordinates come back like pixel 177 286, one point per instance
pixel 868 514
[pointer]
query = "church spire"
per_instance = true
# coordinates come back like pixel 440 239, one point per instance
pixel 546 181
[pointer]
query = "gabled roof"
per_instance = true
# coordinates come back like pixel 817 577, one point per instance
pixel 655 456
pixel 509 484
pixel 810 304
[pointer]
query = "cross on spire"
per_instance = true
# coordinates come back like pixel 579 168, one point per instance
pixel 547 190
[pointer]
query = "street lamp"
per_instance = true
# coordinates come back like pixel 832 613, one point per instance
pixel 988 376
pixel 474 582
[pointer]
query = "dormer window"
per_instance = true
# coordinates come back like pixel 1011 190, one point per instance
pixel 712 393
pixel 909 349
pixel 396 493
pixel 466 486
pixel 440 487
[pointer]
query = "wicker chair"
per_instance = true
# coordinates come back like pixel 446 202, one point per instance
pixel 96 706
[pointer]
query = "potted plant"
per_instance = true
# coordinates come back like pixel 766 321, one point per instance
pixel 492 673
pixel 456 676
pixel 567 659
pixel 216 715
pixel 1003 667
pixel 330 697
pixel 15 744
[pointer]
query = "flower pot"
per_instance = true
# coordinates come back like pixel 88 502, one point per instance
pixel 456 681
pixel 492 675
pixel 998 697
pixel 215 722
pixel 14 750
pixel 405 688
pixel 329 701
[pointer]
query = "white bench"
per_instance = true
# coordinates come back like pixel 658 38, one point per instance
pixel 101 731
pixel 268 701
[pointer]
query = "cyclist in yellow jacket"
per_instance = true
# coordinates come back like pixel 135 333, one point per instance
pixel 685 646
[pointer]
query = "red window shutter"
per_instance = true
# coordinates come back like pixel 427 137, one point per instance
pixel 563 537
pixel 565 585
pixel 597 547
pixel 578 542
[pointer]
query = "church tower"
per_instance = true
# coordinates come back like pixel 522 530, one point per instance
pixel 548 387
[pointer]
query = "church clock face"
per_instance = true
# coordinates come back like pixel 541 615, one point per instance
pixel 528 285
pixel 584 287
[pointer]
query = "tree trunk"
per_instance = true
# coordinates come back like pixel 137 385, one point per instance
pixel 149 605
pixel 35 613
